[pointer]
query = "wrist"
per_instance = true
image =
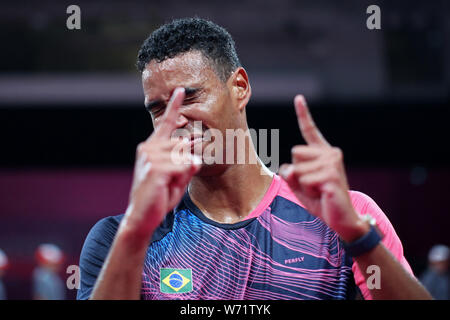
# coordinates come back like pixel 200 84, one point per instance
pixel 365 237
pixel 364 244
pixel 354 230
pixel 135 240
pixel 135 231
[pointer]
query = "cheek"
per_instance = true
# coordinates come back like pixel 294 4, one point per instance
pixel 215 112
pixel 221 117
pixel 211 112
pixel 223 112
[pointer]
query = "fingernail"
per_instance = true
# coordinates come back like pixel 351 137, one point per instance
pixel 300 99
pixel 285 171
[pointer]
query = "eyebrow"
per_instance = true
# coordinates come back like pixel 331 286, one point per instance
pixel 154 103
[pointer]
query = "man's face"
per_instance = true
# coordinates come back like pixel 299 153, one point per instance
pixel 207 98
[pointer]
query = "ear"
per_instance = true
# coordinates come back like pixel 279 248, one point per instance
pixel 240 88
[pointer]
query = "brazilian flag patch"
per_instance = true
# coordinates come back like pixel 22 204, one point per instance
pixel 175 280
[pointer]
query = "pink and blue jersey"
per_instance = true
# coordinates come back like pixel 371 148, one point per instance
pixel 280 251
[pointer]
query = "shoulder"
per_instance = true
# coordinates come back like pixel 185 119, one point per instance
pixel 363 204
pixel 106 227
pixel 94 252
pixel 102 234
pixel 100 238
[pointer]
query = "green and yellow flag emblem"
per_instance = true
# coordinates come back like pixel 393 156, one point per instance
pixel 175 280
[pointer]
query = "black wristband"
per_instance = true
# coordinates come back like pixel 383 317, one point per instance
pixel 364 244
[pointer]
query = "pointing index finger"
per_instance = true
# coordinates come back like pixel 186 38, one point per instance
pixel 169 119
pixel 308 128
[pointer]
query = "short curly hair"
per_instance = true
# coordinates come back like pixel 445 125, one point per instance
pixel 183 35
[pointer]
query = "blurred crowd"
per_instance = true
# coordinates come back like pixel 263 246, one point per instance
pixel 436 278
pixel 47 283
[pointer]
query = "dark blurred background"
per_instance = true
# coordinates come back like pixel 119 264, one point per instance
pixel 71 108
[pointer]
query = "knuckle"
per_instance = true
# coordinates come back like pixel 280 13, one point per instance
pixel 333 175
pixel 140 148
pixel 301 168
pixel 147 171
pixel 304 181
pixel 338 152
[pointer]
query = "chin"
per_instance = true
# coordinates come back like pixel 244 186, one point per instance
pixel 211 170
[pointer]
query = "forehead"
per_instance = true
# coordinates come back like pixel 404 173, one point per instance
pixel 189 69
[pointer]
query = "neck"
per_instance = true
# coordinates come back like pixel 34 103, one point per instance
pixel 233 194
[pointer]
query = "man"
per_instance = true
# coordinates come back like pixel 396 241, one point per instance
pixel 436 277
pixel 47 284
pixel 201 229
pixel 4 264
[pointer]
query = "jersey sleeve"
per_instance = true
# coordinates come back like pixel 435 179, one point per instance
pixel 363 204
pixel 94 253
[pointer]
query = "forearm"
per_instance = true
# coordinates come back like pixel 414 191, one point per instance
pixel 121 274
pixel 395 282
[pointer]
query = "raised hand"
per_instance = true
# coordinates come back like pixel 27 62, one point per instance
pixel 161 174
pixel 317 177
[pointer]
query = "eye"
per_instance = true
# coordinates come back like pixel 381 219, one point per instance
pixel 192 95
pixel 157 111
pixel 189 99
